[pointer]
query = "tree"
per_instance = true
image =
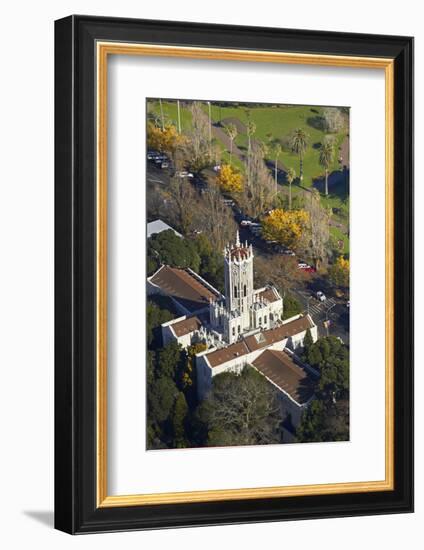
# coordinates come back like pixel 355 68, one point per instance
pixel 169 363
pixel 165 140
pixel 298 145
pixel 339 272
pixel 333 119
pixel 241 409
pixel 167 248
pixel 290 177
pixel 216 217
pixel 211 264
pixel 331 358
pixel 250 130
pixel 277 149
pixel 197 147
pixel 318 229
pixel 292 306
pixel 326 155
pixel 231 131
pixel 285 226
pixel 230 180
pixel 182 195
pixel 307 341
pixel 260 192
pixel 178 421
pixel 187 378
pixel 280 270
pixel 160 399
pixel 155 317
pixel 327 417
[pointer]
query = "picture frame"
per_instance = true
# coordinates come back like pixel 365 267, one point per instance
pixel 82 47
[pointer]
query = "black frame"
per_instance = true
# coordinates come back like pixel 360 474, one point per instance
pixel 75 275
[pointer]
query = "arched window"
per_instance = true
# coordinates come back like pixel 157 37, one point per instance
pixel 235 291
pixel 244 291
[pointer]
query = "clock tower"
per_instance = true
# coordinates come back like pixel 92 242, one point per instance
pixel 239 292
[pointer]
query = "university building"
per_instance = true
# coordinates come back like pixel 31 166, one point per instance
pixel 242 327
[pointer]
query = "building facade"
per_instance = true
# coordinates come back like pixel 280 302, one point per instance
pixel 242 327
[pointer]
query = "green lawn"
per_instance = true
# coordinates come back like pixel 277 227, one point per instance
pixel 279 122
pixel 339 235
pixel 170 113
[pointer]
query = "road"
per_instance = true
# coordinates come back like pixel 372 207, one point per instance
pixel 334 311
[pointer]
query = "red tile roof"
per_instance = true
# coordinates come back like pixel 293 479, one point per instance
pixel 267 337
pixel 240 251
pixel 224 355
pixel 183 287
pixel 269 295
pixel 186 326
pixel 280 369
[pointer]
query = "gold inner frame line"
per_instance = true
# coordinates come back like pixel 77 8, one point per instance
pixel 103 50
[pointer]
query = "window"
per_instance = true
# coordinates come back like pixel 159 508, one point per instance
pixel 260 321
pixel 235 291
pixel 234 331
pixel 239 329
pixel 264 319
pixel 244 291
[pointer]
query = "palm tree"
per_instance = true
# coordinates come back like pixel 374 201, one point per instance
pixel 298 144
pixel 179 116
pixel 250 130
pixel 326 154
pixel 290 177
pixel 232 134
pixel 277 153
pixel 161 115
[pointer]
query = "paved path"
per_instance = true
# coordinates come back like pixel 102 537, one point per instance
pixel 345 152
pixel 220 134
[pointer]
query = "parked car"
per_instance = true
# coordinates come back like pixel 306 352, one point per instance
pixel 151 155
pixel 228 202
pixel 159 159
pixel 320 296
pixel 184 174
pixel 245 222
pixel 302 265
pixel 165 164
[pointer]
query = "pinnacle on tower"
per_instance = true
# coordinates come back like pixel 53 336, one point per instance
pixel 237 239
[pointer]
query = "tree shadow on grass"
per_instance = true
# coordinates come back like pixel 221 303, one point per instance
pixel 338 184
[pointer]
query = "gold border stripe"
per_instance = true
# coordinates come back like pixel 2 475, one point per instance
pixel 103 50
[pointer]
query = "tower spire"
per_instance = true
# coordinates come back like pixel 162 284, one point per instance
pixel 237 239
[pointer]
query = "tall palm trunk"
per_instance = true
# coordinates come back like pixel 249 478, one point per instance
pixel 276 174
pixel 161 115
pixel 290 196
pixel 300 168
pixel 326 182
pixel 248 160
pixel 179 116
pixel 231 151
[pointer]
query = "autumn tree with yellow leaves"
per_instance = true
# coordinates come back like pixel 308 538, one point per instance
pixel 339 272
pixel 165 140
pixel 230 180
pixel 287 227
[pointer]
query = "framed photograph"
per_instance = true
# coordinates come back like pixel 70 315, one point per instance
pixel 234 274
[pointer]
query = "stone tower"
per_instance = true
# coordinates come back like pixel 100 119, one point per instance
pixel 238 271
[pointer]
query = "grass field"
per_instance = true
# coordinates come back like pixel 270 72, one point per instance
pixel 339 235
pixel 278 123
